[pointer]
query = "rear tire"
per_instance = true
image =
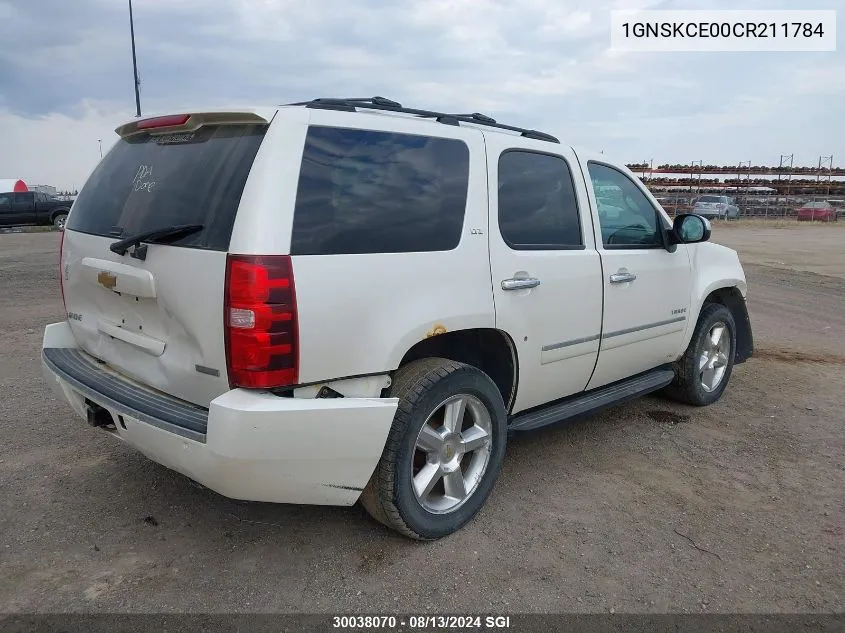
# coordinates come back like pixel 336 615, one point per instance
pixel 703 372
pixel 437 468
pixel 59 221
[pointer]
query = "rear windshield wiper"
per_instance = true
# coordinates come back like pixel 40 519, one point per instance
pixel 160 236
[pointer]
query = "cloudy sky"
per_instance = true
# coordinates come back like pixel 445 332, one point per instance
pixel 66 74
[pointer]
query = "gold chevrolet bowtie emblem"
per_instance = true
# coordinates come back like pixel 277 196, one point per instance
pixel 106 279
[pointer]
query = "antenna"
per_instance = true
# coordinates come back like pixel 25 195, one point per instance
pixel 137 81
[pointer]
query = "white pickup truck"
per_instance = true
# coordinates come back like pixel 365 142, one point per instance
pixel 350 300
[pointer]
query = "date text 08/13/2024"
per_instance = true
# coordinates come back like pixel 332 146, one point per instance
pixel 355 622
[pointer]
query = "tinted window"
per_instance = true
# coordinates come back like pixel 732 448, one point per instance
pixel 363 191
pixel 626 216
pixel 148 182
pixel 5 201
pixel 537 205
pixel 25 198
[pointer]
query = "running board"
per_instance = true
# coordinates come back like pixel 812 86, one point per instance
pixel 592 401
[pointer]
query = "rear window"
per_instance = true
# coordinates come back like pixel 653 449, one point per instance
pixel 151 182
pixel 711 199
pixel 363 191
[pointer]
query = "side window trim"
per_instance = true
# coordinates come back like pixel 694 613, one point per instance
pixel 657 215
pixel 542 247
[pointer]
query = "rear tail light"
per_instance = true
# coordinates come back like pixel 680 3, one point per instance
pixel 61 268
pixel 262 349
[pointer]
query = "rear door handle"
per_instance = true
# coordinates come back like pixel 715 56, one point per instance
pixel 622 278
pixel 520 284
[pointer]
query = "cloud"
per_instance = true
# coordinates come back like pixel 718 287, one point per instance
pixel 66 73
pixel 57 149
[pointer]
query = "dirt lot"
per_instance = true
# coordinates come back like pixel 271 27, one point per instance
pixel 649 507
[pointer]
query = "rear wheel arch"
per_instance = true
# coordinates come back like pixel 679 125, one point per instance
pixel 453 489
pixel 488 349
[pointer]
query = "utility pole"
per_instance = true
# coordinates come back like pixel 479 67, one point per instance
pixel 788 180
pixel 134 62
pixel 739 181
pixel 822 160
pixel 100 141
pixel 829 175
pixel 691 178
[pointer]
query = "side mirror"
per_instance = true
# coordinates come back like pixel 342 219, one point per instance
pixel 690 228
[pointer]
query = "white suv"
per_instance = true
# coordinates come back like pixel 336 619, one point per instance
pixel 346 300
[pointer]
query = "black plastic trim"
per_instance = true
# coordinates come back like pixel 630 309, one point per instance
pixel 592 401
pixel 112 391
pixel 745 343
pixel 331 106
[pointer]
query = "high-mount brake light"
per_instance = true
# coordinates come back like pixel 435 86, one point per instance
pixel 262 347
pixel 163 121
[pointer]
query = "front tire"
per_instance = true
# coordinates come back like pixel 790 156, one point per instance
pixel 703 372
pixel 443 453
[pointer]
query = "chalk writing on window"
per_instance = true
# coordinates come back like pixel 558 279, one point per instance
pixel 143 179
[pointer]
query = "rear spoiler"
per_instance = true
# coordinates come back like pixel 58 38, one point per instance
pixel 188 122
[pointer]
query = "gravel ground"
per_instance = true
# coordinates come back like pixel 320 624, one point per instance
pixel 648 507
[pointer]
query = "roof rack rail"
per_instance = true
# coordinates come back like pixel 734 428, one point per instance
pixel 382 103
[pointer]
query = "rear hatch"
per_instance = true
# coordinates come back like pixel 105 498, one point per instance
pixel 155 312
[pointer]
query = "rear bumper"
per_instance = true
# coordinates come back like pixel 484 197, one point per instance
pixel 253 446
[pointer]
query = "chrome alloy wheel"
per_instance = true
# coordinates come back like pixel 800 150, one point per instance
pixel 713 359
pixel 451 454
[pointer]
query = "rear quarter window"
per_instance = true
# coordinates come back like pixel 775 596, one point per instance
pixel 150 182
pixel 365 191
